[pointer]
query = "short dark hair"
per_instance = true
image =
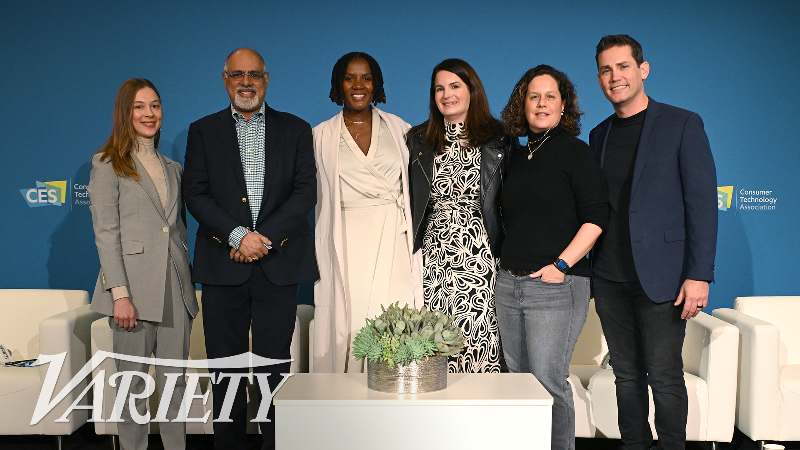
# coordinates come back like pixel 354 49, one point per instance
pixel 619 40
pixel 513 115
pixel 340 68
pixel 481 127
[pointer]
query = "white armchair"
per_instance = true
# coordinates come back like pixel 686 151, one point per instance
pixel 709 356
pixel 769 370
pixel 34 322
pixel 586 362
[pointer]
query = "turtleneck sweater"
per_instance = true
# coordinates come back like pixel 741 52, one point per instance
pixel 547 198
pixel 146 152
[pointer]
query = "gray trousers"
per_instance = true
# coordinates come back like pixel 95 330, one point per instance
pixel 166 339
pixel 539 326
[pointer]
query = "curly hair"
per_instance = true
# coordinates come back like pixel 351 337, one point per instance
pixel 513 115
pixel 481 127
pixel 121 143
pixel 339 70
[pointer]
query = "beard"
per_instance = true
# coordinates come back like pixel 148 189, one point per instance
pixel 244 103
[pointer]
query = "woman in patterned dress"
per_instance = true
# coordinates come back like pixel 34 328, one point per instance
pixel 456 170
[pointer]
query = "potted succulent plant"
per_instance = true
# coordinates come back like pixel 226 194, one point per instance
pixel 407 349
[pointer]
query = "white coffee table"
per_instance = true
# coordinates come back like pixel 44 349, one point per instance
pixel 480 411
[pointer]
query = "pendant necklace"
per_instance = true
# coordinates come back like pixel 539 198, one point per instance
pixel 354 122
pixel 543 139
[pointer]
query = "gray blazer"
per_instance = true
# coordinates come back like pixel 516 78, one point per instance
pixel 138 240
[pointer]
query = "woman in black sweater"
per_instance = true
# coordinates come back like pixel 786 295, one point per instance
pixel 555 206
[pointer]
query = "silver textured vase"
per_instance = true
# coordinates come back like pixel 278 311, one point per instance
pixel 426 375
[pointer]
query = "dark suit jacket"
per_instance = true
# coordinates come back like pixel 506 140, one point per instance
pixel 673 207
pixel 216 195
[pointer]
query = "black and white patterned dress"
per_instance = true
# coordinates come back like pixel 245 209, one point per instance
pixel 459 269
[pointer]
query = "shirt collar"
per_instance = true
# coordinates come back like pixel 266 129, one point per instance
pixel 258 116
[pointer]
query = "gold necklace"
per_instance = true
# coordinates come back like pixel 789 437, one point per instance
pixel 531 152
pixel 354 121
pixel 355 138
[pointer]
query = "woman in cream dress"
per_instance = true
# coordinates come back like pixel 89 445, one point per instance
pixel 363 237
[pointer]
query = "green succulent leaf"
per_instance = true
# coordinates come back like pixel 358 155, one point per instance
pixel 400 336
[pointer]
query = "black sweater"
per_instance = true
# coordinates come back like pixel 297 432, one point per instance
pixel 546 199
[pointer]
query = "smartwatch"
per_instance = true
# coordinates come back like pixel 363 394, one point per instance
pixel 561 265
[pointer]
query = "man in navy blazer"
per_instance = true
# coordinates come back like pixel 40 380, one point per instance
pixel 652 268
pixel 250 181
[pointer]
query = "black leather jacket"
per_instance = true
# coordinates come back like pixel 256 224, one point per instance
pixel 493 168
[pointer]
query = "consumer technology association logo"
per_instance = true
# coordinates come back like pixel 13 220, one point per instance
pixel 724 196
pixel 49 193
pixel 746 199
pixel 57 193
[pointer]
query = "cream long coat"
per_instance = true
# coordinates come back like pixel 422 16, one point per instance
pixel 331 330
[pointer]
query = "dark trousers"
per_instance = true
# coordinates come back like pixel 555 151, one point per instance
pixel 645 340
pixel 229 314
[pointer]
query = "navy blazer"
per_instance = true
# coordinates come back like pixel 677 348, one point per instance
pixel 216 195
pixel 673 206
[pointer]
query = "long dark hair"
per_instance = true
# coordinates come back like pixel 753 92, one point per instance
pixel 516 124
pixel 481 127
pixel 122 141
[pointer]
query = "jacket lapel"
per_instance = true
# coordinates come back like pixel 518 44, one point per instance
pixel 147 184
pixel 425 157
pixel 171 178
pixel 645 142
pixel 230 142
pixel 272 141
pixel 601 154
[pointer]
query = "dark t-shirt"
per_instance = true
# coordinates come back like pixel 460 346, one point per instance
pixel 546 199
pixel 614 260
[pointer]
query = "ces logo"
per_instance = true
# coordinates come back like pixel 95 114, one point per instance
pixel 724 196
pixel 49 193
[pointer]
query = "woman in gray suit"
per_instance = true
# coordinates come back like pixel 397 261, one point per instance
pixel 144 284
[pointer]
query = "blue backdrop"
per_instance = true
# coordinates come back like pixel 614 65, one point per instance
pixel 733 62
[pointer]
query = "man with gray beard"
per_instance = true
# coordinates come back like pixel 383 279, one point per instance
pixel 250 181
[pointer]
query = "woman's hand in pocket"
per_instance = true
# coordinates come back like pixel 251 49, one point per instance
pixel 549 274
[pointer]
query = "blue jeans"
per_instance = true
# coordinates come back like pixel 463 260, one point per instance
pixel 645 340
pixel 539 325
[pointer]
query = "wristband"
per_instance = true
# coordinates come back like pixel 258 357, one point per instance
pixel 562 266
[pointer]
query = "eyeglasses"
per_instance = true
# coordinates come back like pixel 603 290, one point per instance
pixel 239 76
